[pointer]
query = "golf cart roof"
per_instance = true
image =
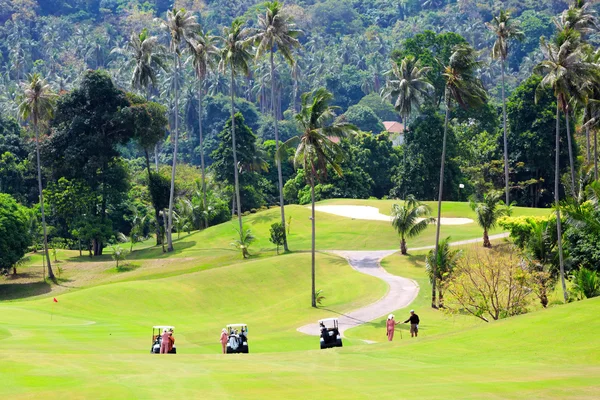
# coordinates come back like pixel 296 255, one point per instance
pixel 167 327
pixel 328 320
pixel 235 325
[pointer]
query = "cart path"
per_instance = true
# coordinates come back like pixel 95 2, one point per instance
pixel 401 291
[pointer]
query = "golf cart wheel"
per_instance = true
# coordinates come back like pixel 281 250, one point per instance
pixel 323 346
pixel 230 350
pixel 338 343
pixel 245 349
pixel 173 351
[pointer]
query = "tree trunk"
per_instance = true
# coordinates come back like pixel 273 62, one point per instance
pixel 279 173
pixel 156 156
pixel 557 202
pixel 439 216
pixel 202 153
pixel 506 175
pixel 486 239
pixel 156 212
pixel 39 171
pixel 312 198
pixel 169 228
pixel 595 155
pixel 440 295
pixel 403 248
pixel 588 154
pixel 235 166
pixel 571 163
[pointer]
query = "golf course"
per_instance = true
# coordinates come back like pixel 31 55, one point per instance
pixel 94 341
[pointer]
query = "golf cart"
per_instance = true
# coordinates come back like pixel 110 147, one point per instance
pixel 157 332
pixel 330 333
pixel 238 338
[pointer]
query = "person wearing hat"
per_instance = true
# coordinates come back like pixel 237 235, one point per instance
pixel 224 339
pixel 171 340
pixel 164 342
pixel 414 323
pixel 391 325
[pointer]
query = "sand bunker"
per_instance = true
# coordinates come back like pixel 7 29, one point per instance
pixel 373 214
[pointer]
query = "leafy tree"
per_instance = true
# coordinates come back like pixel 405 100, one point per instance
pixel 315 149
pixel 364 119
pixel 203 54
pixel 446 262
pixel 463 87
pixel 118 254
pixel 180 25
pixel 14 236
pixel 236 56
pixel 505 30
pixel 38 105
pixel 410 219
pixel 277 235
pixel 488 212
pixel 383 109
pixel 246 238
pixel 540 250
pixel 276 31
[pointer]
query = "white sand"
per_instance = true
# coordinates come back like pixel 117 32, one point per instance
pixel 373 214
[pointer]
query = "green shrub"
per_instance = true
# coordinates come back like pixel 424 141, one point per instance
pixel 586 284
pixel 521 228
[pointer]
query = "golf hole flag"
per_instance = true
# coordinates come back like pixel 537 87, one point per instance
pixel 56 301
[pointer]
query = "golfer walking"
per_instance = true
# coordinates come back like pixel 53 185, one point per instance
pixel 391 325
pixel 224 339
pixel 414 323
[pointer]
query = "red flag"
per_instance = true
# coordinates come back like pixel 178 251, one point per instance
pixel 56 301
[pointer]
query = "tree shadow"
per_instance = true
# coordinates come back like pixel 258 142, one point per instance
pixel 261 218
pixel 14 291
pixel 127 267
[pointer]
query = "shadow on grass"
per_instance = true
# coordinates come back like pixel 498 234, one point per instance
pixel 262 218
pixel 127 267
pixel 14 291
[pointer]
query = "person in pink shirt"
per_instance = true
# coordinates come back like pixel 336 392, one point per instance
pixel 391 325
pixel 224 339
pixel 164 343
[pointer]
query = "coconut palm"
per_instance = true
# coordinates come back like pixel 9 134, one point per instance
pixel 181 25
pixel 464 88
pixel 146 56
pixel 410 219
pixel 37 104
pixel 488 212
pixel 203 54
pixel 315 149
pixel 276 31
pixel 439 269
pixel 563 69
pixel 505 30
pixel 408 86
pixel 236 56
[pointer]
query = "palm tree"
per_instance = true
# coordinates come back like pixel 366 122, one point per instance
pixel 38 105
pixel 203 53
pixel 488 212
pixel 277 31
pixel 563 68
pixel 181 25
pixel 505 30
pixel 410 219
pixel 408 86
pixel 236 56
pixel 464 88
pixel 315 149
pixel 438 269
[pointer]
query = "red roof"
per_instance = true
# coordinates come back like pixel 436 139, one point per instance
pixel 393 126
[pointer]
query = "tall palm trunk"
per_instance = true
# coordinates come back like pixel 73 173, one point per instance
pixel 595 155
pixel 506 176
pixel 439 216
pixel 557 202
pixel 202 153
pixel 279 174
pixel 39 171
pixel 587 137
pixel 312 199
pixel 235 166
pixel 571 163
pixel 169 230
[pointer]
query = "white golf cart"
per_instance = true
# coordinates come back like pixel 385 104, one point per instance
pixel 157 332
pixel 330 333
pixel 238 338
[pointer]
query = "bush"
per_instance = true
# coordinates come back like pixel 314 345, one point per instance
pixel 219 212
pixel 586 284
pixel 521 228
pixel 277 235
pixel 14 236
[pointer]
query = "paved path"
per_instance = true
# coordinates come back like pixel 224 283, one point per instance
pixel 401 292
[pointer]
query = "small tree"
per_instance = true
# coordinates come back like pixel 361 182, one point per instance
pixel 489 284
pixel 320 297
pixel 488 212
pixel 447 260
pixel 119 254
pixel 410 219
pixel 277 235
pixel 243 243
